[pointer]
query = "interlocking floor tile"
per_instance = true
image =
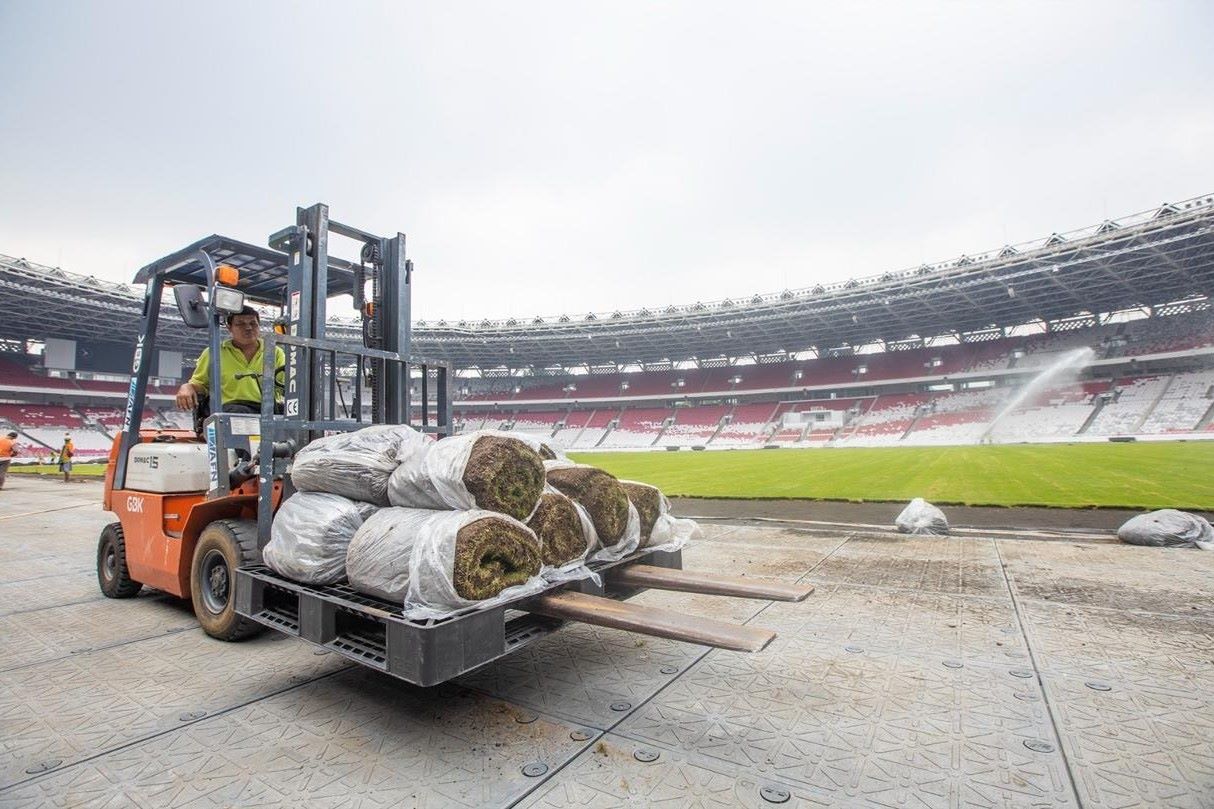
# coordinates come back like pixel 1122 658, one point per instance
pixel 913 622
pixel 878 730
pixel 1136 747
pixel 76 707
pixel 357 739
pixel 958 565
pixel 1113 575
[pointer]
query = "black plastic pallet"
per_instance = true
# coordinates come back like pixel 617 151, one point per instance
pixel 374 633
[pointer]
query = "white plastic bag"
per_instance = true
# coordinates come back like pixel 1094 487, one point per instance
pixel 407 555
pixel 1168 528
pixel 310 535
pixel 432 475
pixel 921 517
pixel 356 464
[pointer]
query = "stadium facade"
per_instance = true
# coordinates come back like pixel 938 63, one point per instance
pixel 929 354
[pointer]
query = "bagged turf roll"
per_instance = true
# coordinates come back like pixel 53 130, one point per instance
pixel 598 492
pixel 439 562
pixel 310 535
pixel 564 529
pixel 648 502
pixel 921 517
pixel 617 524
pixel 659 528
pixel 1168 528
pixel 356 465
pixel 485 469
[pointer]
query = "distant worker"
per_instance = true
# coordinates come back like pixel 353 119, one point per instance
pixel 7 452
pixel 240 360
pixel 66 453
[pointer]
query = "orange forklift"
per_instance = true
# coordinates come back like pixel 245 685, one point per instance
pixel 195 507
pixel 189 503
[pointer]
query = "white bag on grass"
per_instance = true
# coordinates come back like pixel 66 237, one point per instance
pixel 921 517
pixel 1168 528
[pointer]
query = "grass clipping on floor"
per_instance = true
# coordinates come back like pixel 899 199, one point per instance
pixel 559 528
pixel 504 475
pixel 492 554
pixel 600 494
pixel 648 502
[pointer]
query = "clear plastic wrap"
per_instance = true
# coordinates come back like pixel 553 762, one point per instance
pixel 1168 528
pixel 921 517
pixel 435 476
pixel 358 464
pixel 408 556
pixel 310 535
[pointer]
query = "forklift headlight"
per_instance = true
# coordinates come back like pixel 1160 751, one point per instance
pixel 228 299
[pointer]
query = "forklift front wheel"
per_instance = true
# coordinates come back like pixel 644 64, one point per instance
pixel 223 546
pixel 112 574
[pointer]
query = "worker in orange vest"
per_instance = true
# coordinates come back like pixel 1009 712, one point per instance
pixel 7 451
pixel 65 458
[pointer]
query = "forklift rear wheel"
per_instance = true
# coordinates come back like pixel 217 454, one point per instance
pixel 223 546
pixel 112 574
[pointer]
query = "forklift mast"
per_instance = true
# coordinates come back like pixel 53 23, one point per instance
pixel 297 273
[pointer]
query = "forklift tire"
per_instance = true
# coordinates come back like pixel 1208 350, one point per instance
pixel 112 574
pixel 223 546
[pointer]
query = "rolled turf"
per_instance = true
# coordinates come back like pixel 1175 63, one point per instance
pixel 600 494
pixel 559 529
pixel 504 475
pixel 648 502
pixel 491 555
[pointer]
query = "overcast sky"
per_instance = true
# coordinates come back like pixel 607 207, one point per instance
pixel 576 157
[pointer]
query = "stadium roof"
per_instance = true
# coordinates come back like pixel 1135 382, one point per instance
pixel 1149 259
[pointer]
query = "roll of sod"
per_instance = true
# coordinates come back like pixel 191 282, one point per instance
pixel 482 470
pixel 559 528
pixel 600 494
pixel 648 502
pixel 441 560
pixel 492 554
pixel 504 475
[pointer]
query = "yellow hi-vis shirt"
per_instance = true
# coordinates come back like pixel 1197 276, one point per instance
pixel 232 362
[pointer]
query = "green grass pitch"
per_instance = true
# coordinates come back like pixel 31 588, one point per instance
pixel 1131 475
pixel 81 470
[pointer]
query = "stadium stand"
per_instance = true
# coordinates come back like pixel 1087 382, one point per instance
pixel 742 373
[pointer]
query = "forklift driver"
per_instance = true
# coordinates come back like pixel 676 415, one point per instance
pixel 240 360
